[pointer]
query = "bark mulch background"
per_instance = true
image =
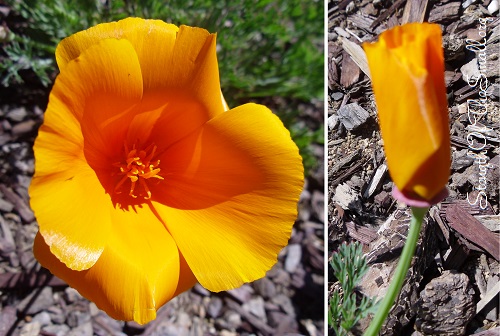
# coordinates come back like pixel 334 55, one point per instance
pixel 289 300
pixel 453 285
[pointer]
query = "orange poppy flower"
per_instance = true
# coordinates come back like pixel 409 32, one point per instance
pixel 145 182
pixel 407 74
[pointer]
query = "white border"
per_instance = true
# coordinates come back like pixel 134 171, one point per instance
pixel 325 166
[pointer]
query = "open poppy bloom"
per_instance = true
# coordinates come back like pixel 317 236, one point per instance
pixel 145 182
pixel 407 74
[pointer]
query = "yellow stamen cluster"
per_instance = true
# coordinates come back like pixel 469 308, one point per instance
pixel 138 167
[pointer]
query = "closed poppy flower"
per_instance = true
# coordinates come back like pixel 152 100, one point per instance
pixel 407 74
pixel 145 182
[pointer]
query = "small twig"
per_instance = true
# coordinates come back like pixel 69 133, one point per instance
pixel 23 280
pixel 348 173
pixel 362 234
pixel 357 54
pixel 387 13
pixel 355 36
pixel 472 230
pixel 414 11
pixel 490 295
pixel 491 332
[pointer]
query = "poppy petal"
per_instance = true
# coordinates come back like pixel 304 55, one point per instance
pixel 141 259
pixel 109 68
pixel 142 34
pixel 183 58
pixel 66 225
pixel 231 207
pixel 57 148
pixel 194 67
pixel 103 81
pixel 63 175
pixel 164 112
pixel 188 65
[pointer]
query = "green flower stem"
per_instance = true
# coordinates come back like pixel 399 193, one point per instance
pixel 417 215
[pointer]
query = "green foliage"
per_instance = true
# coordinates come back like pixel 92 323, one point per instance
pixel 349 266
pixel 265 48
pixel 20 56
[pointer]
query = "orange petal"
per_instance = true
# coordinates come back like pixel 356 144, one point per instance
pixel 61 176
pixel 407 70
pixel 142 34
pixel 140 269
pixel 72 211
pixel 172 58
pixel 109 68
pixel 58 147
pixel 165 117
pixel 64 186
pixel 103 81
pixel 231 196
pixel 194 67
pixel 104 125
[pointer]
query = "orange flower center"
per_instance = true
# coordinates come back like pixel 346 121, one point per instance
pixel 138 167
